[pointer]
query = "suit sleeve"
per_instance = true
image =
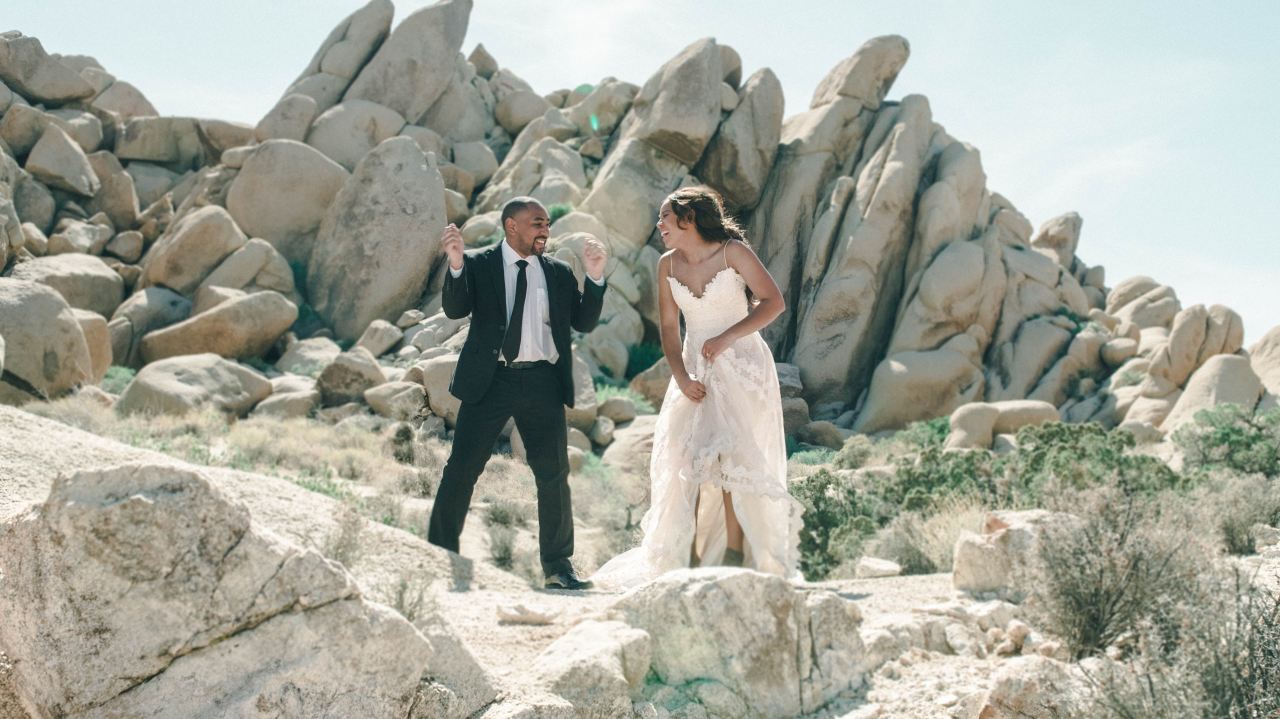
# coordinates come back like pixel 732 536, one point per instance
pixel 587 304
pixel 457 295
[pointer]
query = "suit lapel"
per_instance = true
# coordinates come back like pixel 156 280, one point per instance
pixel 547 277
pixel 499 277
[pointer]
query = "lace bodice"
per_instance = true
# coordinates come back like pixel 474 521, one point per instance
pixel 723 304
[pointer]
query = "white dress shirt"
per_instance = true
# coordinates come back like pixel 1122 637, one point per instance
pixel 535 328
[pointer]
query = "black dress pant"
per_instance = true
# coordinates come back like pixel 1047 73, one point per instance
pixel 532 396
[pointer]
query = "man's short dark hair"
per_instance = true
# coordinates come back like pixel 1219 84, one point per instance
pixel 514 206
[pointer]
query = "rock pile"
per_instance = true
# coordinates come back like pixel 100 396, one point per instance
pixel 906 277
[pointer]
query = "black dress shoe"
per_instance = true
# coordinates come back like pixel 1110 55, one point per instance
pixel 567 579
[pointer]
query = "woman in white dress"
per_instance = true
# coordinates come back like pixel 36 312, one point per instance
pixel 718 470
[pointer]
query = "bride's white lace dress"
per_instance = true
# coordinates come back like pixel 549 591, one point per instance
pixel 732 440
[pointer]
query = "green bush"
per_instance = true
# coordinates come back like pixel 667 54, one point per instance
pixel 1231 505
pixel 117 378
pixel 836 523
pixel 813 455
pixel 1122 571
pixel 558 210
pixel 922 435
pixel 1058 456
pixel 919 481
pixel 854 453
pixel 605 390
pixel 507 513
pixel 1232 437
pixel 641 357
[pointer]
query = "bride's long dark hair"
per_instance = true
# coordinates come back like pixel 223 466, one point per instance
pixel 703 207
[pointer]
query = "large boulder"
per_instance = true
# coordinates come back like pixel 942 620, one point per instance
pixel 915 385
pixel 309 357
pixel 232 611
pixel 668 127
pixel 84 281
pixel 342 54
pixel 596 666
pixel 1264 356
pixel 413 66
pixel 124 99
pixel 97 338
pixel 144 312
pixel 996 562
pixel 191 249
pixel 46 354
pixel 175 140
pixel 117 196
pixel 178 385
pixel 58 161
pixel 1223 379
pixel 281 194
pixel 239 328
pixel 784 653
pixel 288 120
pixel 1058 238
pixel 815 147
pixel 378 240
pixel 348 377
pixel 437 374
pixel 29 70
pixel 856 300
pixel 739 157
pixel 349 130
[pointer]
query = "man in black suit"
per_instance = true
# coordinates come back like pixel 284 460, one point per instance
pixel 517 362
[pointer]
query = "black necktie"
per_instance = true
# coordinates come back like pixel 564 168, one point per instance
pixel 511 343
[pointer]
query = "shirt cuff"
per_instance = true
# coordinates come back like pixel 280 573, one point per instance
pixel 456 273
pixel 599 282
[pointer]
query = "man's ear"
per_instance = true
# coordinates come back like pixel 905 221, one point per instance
pixel 509 227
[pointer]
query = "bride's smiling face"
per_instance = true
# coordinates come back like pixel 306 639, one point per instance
pixel 675 236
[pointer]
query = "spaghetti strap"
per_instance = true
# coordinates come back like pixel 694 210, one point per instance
pixel 724 251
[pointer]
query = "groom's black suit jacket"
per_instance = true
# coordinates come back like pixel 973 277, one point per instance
pixel 481 292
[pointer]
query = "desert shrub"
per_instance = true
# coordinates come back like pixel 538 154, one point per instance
pixel 326 485
pixel 410 596
pixel 1231 505
pixel 1123 570
pixel 924 542
pixel 344 543
pixel 1233 437
pixel 558 210
pixel 606 390
pixel 1058 457
pixel 813 455
pixel 502 545
pixel 918 481
pixel 1226 667
pixel 383 508
pixel 641 357
pixel 854 453
pixel 117 378
pixel 837 521
pixel 1237 654
pixel 507 513
pixel 922 435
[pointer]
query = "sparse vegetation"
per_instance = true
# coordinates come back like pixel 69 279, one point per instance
pixel 1122 571
pixel 558 210
pixel 117 378
pixel 854 453
pixel 605 390
pixel 837 522
pixel 1232 437
pixel 345 542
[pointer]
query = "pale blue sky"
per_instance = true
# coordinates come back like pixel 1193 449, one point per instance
pixel 1156 121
